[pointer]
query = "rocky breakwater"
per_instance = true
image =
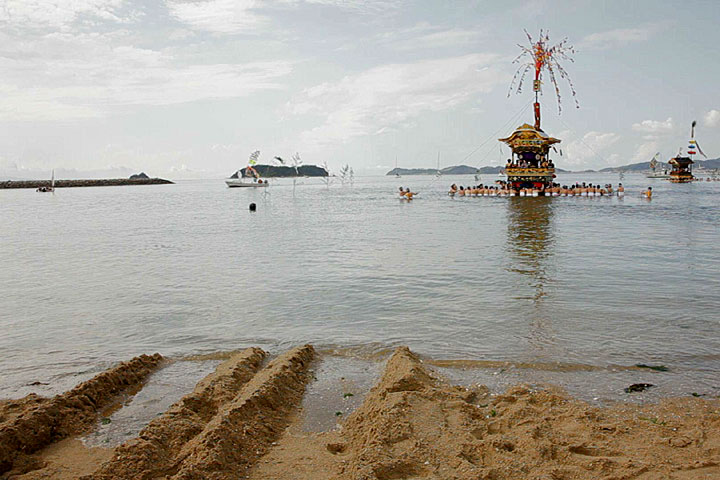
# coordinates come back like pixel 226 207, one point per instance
pixel 102 182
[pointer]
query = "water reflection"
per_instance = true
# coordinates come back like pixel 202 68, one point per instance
pixel 530 240
pixel 530 245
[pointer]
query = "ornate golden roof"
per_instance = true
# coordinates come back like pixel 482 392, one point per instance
pixel 681 162
pixel 526 136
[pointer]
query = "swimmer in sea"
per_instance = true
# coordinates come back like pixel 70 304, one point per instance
pixel 648 193
pixel 453 190
pixel 621 190
pixel 408 194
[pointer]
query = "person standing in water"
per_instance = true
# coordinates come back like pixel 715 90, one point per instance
pixel 408 194
pixel 648 193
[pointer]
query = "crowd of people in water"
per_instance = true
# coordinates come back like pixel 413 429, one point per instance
pixel 504 189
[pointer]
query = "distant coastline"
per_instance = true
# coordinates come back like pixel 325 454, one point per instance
pixel 102 182
pixel 467 170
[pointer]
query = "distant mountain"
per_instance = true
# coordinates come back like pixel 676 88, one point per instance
pixel 644 166
pixel 275 171
pixel 454 170
pixel 466 170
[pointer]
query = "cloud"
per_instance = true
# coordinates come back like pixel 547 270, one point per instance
pixel 618 37
pixel 581 151
pixel 645 151
pixel 712 118
pixel 377 6
pixel 217 16
pixel 34 14
pixel 393 95
pixel 74 76
pixel 243 16
pixel 425 36
pixel 654 128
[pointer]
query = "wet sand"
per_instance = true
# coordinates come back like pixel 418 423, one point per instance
pixel 247 419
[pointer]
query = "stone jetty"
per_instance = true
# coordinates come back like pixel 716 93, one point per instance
pixel 104 182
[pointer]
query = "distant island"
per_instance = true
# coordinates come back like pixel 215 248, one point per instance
pixel 467 170
pixel 278 171
pixel 644 166
pixel 455 170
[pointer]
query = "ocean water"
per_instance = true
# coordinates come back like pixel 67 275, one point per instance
pixel 571 291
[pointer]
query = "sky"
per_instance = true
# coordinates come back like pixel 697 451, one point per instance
pixel 189 88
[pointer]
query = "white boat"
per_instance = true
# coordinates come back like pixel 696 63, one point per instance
pixel 246 182
pixel 654 172
pixel 243 179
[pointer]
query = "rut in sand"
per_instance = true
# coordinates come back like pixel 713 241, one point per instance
pixel 155 451
pixel 413 425
pixel 47 421
pixel 241 422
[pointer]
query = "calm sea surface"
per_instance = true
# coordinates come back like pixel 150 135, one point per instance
pixel 570 290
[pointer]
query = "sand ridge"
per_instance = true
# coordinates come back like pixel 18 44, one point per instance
pixel 44 422
pixel 155 449
pixel 413 425
pixel 241 422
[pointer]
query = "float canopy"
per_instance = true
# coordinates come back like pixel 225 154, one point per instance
pixel 528 138
pixel 681 162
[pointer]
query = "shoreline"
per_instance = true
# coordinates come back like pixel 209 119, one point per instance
pixel 101 182
pixel 249 418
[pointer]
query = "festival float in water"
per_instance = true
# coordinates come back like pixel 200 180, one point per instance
pixel 682 166
pixel 530 166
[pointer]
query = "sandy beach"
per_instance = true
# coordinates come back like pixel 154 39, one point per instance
pixel 245 420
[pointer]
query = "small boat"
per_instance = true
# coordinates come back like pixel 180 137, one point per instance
pixel 246 182
pixel 654 172
pixel 248 177
pixel 51 188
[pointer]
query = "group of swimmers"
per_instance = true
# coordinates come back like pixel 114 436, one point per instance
pixel 406 194
pixel 504 189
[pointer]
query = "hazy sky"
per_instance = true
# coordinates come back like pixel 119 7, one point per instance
pixel 190 88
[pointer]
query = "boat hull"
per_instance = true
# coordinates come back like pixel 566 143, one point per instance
pixel 236 183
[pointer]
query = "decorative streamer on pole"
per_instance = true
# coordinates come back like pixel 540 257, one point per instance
pixel 538 55
pixel 693 145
